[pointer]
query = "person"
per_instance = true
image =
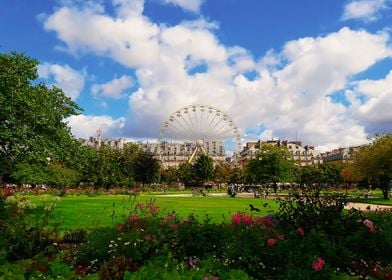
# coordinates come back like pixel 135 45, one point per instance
pixel 231 191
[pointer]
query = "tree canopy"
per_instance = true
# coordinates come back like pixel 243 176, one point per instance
pixel 270 165
pixel 32 126
pixel 373 163
pixel 203 168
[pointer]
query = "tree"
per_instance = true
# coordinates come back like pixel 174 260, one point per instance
pixel 330 172
pixel 186 173
pixel 222 173
pixel 203 168
pixel 374 163
pixel 34 174
pixel 32 126
pixel 236 176
pixel 146 168
pixel 169 175
pixel 127 161
pixel 271 165
pixel 308 175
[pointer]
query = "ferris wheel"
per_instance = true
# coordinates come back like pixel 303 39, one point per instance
pixel 199 123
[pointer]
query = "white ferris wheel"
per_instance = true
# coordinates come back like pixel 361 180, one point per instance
pixel 200 123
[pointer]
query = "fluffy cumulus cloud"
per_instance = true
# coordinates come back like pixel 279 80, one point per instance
pixel 190 5
pixel 287 93
pixel 85 126
pixel 367 10
pixel 113 89
pixel 372 102
pixel 64 77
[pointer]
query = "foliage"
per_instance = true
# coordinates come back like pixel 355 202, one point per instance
pixel 203 168
pixel 186 173
pixel 169 175
pixel 32 126
pixel 27 229
pixel 53 174
pixel 326 173
pixel 374 163
pixel 236 176
pixel 271 165
pixel 146 168
pixel 311 238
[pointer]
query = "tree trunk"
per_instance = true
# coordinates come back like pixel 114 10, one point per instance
pixel 385 191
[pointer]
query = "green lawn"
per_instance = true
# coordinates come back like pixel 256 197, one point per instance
pixel 380 201
pixel 89 212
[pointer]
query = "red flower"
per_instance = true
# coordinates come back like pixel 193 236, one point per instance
pixel 271 242
pixel 370 225
pixel 318 264
pixel 148 237
pixel 248 220
pixel 133 218
pixel 174 226
pixel 281 237
pixel 119 227
pixel 237 218
pixel 388 276
pixel 7 192
pixel 300 231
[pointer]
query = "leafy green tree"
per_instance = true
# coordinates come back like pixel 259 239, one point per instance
pixel 330 172
pixel 203 168
pixel 374 163
pixel 62 176
pixel 87 165
pixel 32 126
pixel 108 167
pixel 186 173
pixel 236 176
pixel 169 175
pixel 308 174
pixel 127 160
pixel 222 172
pixel 146 168
pixel 271 165
pixel 34 174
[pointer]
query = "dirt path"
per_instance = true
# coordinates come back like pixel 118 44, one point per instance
pixel 367 207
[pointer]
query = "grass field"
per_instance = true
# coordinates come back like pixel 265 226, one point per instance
pixel 103 210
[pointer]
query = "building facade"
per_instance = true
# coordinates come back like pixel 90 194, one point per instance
pixel 174 154
pixel 300 155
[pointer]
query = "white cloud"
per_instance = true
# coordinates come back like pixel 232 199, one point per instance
pixel 83 126
pixel 189 5
pixel 127 38
pixel 372 103
pixel 367 10
pixel 289 90
pixel 114 88
pixel 68 79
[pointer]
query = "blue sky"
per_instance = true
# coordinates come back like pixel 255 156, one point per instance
pixel 317 69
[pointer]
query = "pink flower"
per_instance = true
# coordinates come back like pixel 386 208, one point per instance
pixel 174 226
pixel 370 225
pixel 154 210
pixel 267 220
pixel 318 264
pixel 300 231
pixel 281 237
pixel 133 218
pixel 148 237
pixel 248 220
pixel 271 242
pixel 237 218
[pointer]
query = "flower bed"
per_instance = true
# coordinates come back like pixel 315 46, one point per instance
pixel 311 237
